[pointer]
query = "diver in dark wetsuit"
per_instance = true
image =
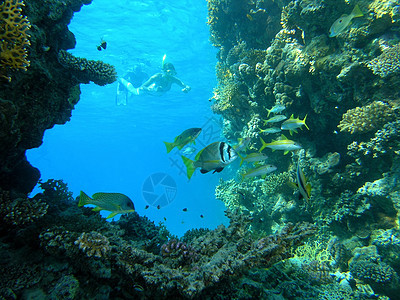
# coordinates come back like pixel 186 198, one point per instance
pixel 129 83
pixel 160 83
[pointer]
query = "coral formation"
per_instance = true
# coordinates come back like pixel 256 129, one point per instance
pixel 368 118
pixel 386 64
pixel 14 38
pixel 93 244
pixel 87 70
pixel 347 80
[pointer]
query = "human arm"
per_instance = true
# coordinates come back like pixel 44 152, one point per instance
pixel 185 88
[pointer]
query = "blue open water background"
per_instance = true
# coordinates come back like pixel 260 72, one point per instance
pixel 109 148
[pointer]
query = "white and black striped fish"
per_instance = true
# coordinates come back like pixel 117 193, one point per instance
pixel 302 184
pixel 214 157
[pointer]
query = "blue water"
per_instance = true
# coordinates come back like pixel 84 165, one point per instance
pixel 113 148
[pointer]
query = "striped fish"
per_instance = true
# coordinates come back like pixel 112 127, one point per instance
pixel 302 184
pixel 214 157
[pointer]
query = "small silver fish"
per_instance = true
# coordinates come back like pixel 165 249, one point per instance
pixel 282 144
pixel 293 124
pixel 253 157
pixel 242 144
pixel 275 119
pixel 188 150
pixel 271 130
pixel 276 109
pixel 341 24
pixel 259 171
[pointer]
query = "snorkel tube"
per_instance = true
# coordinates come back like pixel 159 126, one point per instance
pixel 163 61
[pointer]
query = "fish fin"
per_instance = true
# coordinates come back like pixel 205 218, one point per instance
pixel 203 171
pixel 308 188
pixel 180 147
pixel 357 12
pixel 190 168
pixel 241 160
pixel 84 199
pixel 97 209
pixel 169 146
pixel 198 154
pixel 264 144
pixel 286 152
pixel 112 215
pixel 218 170
pixel 283 137
pixel 304 122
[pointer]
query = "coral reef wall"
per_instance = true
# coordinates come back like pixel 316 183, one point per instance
pixel 347 86
pixel 38 89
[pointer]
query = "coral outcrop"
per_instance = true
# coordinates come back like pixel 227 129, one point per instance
pixel 347 86
pixel 70 260
pixel 14 36
pixel 43 95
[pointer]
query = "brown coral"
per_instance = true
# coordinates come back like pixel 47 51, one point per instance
pixel 367 118
pixel 85 70
pixel 20 211
pixel 387 63
pixel 14 38
pixel 93 244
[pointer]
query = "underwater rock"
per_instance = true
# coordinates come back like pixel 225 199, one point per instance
pixel 326 163
pixel 41 96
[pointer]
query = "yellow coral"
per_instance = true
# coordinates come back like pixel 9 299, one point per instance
pixel 367 118
pixel 313 251
pixel 14 37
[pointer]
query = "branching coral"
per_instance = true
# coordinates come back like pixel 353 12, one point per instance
pixel 88 70
pixel 388 63
pixel 14 38
pixel 93 244
pixel 367 118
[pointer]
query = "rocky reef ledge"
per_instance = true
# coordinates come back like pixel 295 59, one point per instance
pixel 39 81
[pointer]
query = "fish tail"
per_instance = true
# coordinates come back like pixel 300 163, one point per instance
pixel 304 122
pixel 269 112
pixel 264 144
pixel 241 160
pixel 169 146
pixel 84 199
pixel 357 12
pixel 190 168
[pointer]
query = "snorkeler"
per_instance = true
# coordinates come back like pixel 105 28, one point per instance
pixel 160 83
pixel 129 83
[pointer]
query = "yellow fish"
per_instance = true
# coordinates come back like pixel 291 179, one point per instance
pixel 293 124
pixel 282 144
pixel 116 203
pixel 341 24
pixel 186 137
